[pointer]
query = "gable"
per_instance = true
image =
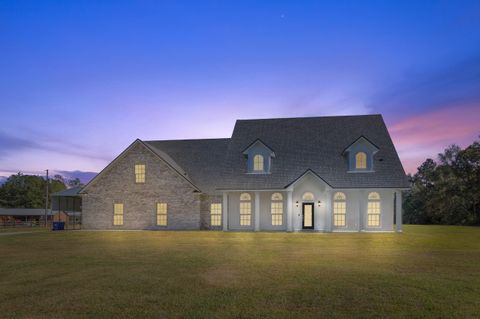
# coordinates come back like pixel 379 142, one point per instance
pixel 121 170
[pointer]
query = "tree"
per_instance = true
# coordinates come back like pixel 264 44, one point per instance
pixel 447 191
pixel 74 182
pixel 27 191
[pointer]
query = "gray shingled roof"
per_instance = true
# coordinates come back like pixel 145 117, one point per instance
pixel 24 212
pixel 300 144
pixel 201 159
pixel 314 143
pixel 69 192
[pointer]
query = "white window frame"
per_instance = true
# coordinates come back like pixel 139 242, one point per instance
pixel 276 209
pixel 374 210
pixel 245 209
pixel 215 214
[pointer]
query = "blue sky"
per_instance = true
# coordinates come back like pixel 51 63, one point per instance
pixel 80 80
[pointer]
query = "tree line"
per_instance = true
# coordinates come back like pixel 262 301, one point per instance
pixel 446 191
pixel 29 191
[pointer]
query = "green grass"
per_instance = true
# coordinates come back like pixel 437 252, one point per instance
pixel 21 229
pixel 428 271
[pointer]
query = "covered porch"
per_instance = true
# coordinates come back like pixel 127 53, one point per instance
pixel 310 204
pixel 67 208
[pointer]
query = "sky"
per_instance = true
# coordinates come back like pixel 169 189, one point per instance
pixel 81 80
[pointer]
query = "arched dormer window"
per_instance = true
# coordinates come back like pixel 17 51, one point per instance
pixel 258 163
pixel 259 158
pixel 360 155
pixel 361 160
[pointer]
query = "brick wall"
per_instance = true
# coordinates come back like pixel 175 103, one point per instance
pixel 162 184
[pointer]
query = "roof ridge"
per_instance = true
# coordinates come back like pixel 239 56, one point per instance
pixel 189 139
pixel 310 117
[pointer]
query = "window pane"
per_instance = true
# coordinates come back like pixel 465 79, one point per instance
pixel 245 212
pixel 216 214
pixel 339 196
pixel 373 210
pixel 258 163
pixel 117 214
pixel 277 213
pixel 139 173
pixel 277 196
pixel 308 196
pixel 162 214
pixel 361 160
pixel 339 209
pixel 374 195
pixel 245 196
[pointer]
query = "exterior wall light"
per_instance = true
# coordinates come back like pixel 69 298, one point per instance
pixel 296 203
pixel 318 203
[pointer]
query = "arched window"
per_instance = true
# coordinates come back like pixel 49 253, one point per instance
pixel 245 209
pixel 339 209
pixel 308 197
pixel 360 160
pixel 245 196
pixel 373 210
pixel 277 209
pixel 258 163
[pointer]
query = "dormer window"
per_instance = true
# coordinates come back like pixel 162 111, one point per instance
pixel 258 163
pixel 259 158
pixel 361 160
pixel 359 156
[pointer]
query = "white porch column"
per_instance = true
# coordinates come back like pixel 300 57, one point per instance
pixel 257 211
pixel 225 211
pixel 361 208
pixel 398 210
pixel 289 211
pixel 328 211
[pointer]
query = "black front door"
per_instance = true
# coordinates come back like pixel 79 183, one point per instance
pixel 307 215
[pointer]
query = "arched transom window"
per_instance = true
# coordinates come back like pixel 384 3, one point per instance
pixel 360 160
pixel 258 163
pixel 308 197
pixel 245 209
pixel 373 210
pixel 277 209
pixel 339 209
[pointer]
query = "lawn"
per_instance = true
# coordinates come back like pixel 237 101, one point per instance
pixel 428 271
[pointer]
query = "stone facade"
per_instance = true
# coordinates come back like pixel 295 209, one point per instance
pixel 116 184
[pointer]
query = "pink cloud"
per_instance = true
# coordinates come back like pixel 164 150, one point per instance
pixel 425 135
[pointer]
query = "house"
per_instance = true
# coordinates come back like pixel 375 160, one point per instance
pixel 339 173
pixel 24 216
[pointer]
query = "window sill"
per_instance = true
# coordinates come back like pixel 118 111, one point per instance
pixel 361 171
pixel 258 173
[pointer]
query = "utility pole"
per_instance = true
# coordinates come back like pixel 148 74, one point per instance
pixel 46 202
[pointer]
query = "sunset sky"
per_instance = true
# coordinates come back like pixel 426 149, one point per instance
pixel 80 80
